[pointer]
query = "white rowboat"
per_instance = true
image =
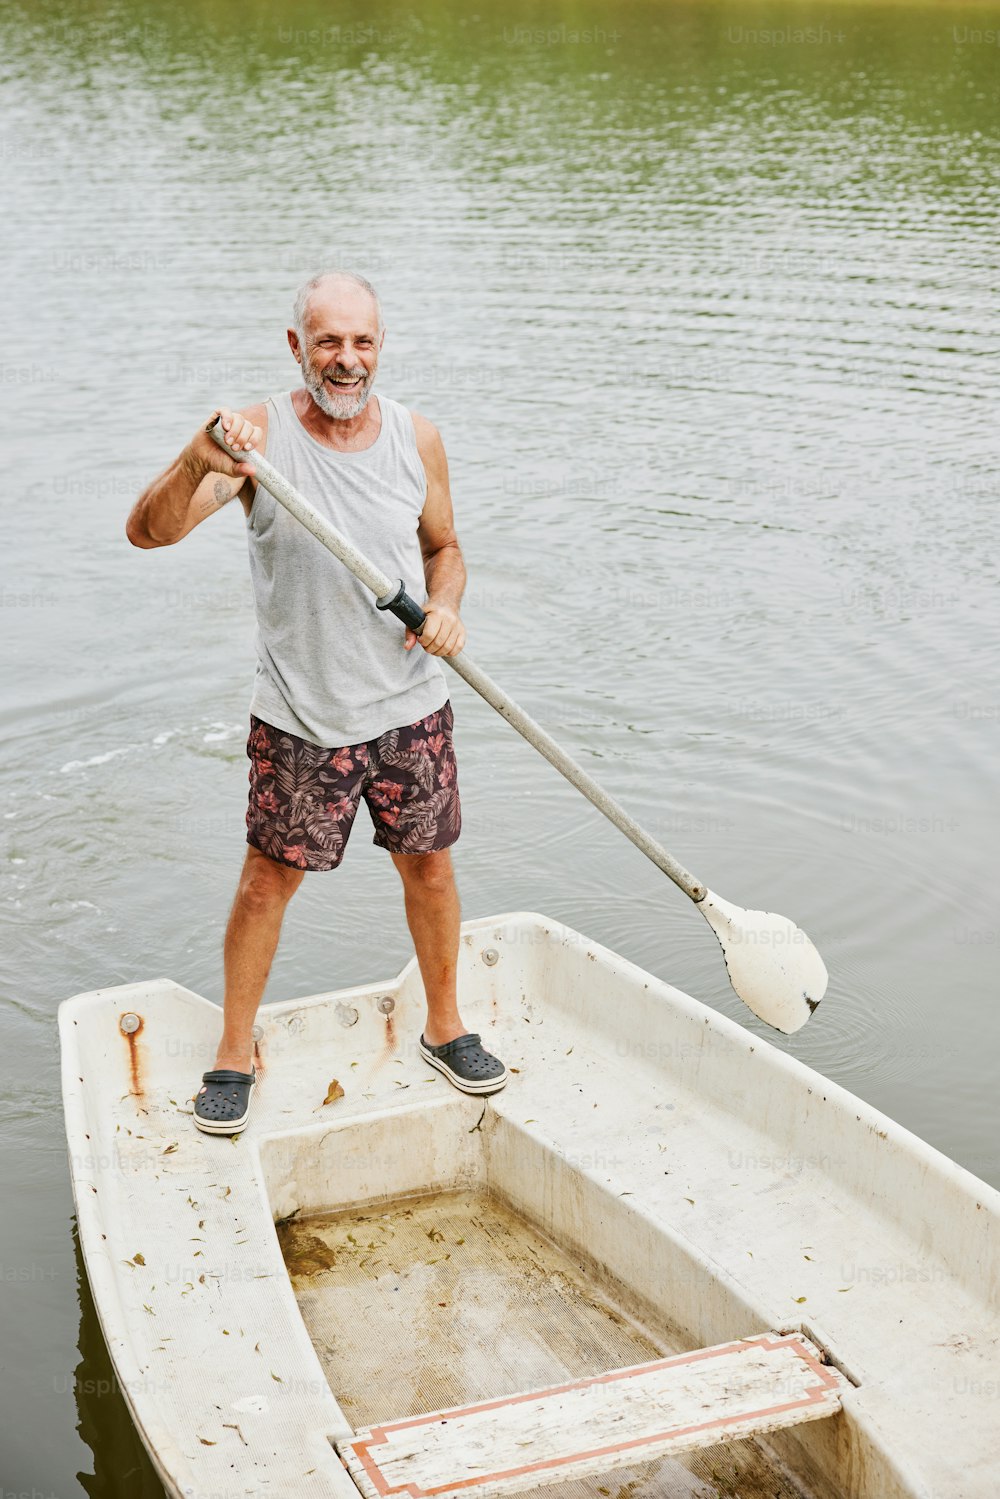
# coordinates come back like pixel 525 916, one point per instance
pixel 665 1259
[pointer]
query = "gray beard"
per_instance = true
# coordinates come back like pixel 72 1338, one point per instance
pixel 339 408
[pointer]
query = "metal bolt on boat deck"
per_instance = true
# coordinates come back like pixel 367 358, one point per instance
pixel 129 1023
pixel 387 1004
pixel 490 956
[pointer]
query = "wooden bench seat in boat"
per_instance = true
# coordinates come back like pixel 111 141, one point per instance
pixel 591 1426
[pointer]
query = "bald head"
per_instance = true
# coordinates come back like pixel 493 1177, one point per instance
pixel 333 286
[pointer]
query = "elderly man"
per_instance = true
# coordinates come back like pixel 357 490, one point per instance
pixel 344 707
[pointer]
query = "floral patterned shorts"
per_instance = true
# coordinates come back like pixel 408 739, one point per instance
pixel 303 799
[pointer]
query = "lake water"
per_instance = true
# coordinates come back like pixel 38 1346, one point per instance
pixel 704 300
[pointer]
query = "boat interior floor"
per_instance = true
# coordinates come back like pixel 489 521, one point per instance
pixel 448 1298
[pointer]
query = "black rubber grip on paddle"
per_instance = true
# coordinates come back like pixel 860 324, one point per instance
pixel 403 607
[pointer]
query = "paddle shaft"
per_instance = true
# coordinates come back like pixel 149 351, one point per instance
pixel 389 594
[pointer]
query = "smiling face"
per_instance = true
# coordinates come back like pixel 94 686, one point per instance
pixel 338 347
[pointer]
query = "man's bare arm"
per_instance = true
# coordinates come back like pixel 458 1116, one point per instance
pixel 444 570
pixel 200 481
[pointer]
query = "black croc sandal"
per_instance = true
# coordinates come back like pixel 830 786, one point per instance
pixel 466 1063
pixel 222 1106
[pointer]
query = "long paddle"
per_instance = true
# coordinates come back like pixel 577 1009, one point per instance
pixel 771 963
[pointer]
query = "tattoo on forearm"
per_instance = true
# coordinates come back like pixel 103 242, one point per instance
pixel 220 496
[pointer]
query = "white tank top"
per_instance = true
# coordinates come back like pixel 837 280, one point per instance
pixel 331 668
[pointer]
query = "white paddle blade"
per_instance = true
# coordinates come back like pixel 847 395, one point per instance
pixel 772 964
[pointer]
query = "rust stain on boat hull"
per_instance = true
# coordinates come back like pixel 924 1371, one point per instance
pixel 134 1059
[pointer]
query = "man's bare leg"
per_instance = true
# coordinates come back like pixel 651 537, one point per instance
pixel 264 890
pixel 434 915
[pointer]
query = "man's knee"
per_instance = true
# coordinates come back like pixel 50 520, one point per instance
pixel 265 883
pixel 429 872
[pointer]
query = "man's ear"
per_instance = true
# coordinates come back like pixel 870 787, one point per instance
pixel 293 344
